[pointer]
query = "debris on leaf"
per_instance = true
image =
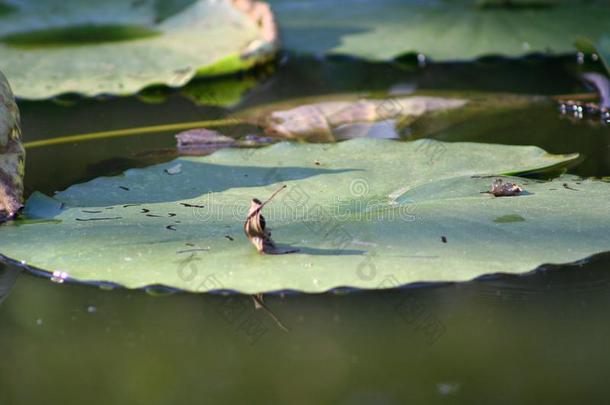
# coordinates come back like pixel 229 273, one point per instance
pixel 500 188
pixel 174 169
pixel 255 226
pixel 256 230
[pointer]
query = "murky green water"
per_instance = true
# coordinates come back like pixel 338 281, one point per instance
pixel 541 337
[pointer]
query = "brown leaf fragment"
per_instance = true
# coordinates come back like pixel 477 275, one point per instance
pixel 500 188
pixel 331 120
pixel 256 230
pixel 12 154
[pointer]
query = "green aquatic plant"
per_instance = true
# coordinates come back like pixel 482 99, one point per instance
pixel 119 47
pixel 438 30
pixel 422 213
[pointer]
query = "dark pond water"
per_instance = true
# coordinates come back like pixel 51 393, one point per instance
pixel 540 337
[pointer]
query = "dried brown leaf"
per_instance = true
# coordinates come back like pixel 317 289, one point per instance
pixel 256 230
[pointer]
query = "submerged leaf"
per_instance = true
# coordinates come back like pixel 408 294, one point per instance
pixel 328 120
pixel 222 92
pixel 202 141
pixel 355 218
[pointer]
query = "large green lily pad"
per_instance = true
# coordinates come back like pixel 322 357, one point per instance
pixel 441 30
pixel 119 47
pixel 355 217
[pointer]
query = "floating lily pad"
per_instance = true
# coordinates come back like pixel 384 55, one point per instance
pixel 118 47
pixel 354 217
pixel 441 30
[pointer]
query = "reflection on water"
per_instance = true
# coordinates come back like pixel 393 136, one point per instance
pixel 543 335
pixel 8 277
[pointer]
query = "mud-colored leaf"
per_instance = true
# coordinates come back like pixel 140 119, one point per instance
pixel 119 47
pixel 12 154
